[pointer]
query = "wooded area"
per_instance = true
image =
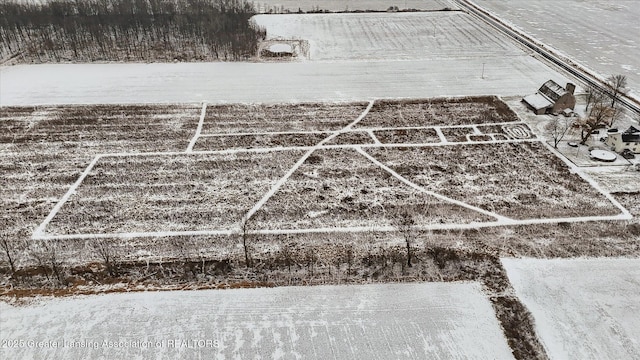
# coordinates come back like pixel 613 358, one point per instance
pixel 127 30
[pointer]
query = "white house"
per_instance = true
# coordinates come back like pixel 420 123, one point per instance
pixel 629 139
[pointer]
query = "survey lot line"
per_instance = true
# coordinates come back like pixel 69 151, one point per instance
pixel 199 128
pixel 368 129
pixel 327 230
pixel 318 147
pixel 269 133
pixel 382 128
pixel 374 137
pixel 131 235
pixel 441 135
pixel 417 187
pixel 40 230
pixel 300 161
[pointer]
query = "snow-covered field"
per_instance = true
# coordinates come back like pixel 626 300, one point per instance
pixel 391 36
pixel 615 178
pixel 583 308
pixel 269 82
pixel 354 57
pixel 349 5
pixel 603 35
pixel 394 321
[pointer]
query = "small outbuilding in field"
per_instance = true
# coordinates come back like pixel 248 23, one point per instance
pixel 552 98
pixel 627 140
pixel 278 51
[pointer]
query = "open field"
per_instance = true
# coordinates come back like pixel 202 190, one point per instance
pixel 264 6
pixel 222 119
pixel 601 35
pixel 390 36
pixel 310 183
pixel 341 188
pixel 438 112
pixel 500 178
pixel 44 150
pixel 169 192
pixel 269 82
pixel 179 192
pixel 353 58
pixel 583 308
pixel 616 178
pixel 314 196
pixel 400 321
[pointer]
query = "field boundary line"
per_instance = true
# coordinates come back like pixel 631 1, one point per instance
pixel 576 169
pixel 40 230
pixel 269 133
pixel 374 137
pixel 298 148
pixel 440 134
pixel 358 129
pixel 299 163
pixel 133 234
pixel 193 141
pixel 415 186
pixel 327 230
pixel 382 128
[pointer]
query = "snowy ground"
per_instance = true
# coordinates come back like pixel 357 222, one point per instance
pixel 354 57
pixel 603 35
pixel 583 308
pixel 391 36
pixel 268 82
pixel 395 321
pixel 348 5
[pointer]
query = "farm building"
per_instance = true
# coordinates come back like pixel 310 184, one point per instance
pixel 619 141
pixel 551 98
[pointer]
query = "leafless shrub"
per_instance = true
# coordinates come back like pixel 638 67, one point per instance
pixel 442 255
pixel 105 250
pixel 46 255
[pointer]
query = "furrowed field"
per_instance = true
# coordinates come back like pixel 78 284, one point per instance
pixel 384 147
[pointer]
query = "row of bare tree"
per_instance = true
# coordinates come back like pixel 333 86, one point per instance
pixel 115 30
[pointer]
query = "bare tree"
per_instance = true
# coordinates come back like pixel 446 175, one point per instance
pixel 349 258
pixel 599 116
pixel 617 85
pixel 617 113
pixel 286 252
pixel 403 221
pixel 92 30
pixel 311 258
pixel 593 96
pixel 248 229
pixel 8 247
pixel 557 128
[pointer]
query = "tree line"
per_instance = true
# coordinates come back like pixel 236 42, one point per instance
pixel 127 30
